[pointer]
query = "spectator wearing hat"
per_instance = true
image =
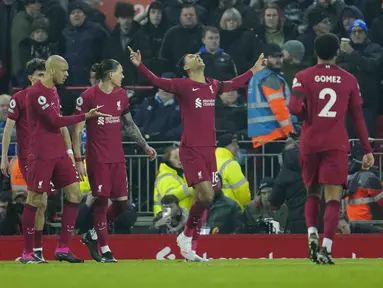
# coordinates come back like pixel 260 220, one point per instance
pixel 347 16
pixel 38 45
pixel 318 24
pixel 332 8
pixel 363 59
pixel 158 117
pixel 125 34
pixel 268 116
pixel 21 29
pixel 293 52
pixel 81 44
pixel 260 208
pixel 235 185
pixel 218 64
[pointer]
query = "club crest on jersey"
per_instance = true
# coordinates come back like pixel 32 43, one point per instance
pixel 118 105
pixel 12 105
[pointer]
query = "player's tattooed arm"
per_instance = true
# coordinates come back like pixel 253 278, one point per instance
pixel 133 131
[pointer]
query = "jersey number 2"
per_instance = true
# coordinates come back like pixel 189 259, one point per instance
pixel 326 111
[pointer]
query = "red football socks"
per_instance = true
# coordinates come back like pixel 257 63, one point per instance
pixel 312 210
pixel 194 219
pixel 28 222
pixel 67 224
pixel 331 219
pixel 38 239
pixel 115 210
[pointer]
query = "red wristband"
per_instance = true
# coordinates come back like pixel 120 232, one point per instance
pixel 77 159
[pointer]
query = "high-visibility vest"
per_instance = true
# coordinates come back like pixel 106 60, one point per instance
pixel 358 204
pixel 268 116
pixel 84 185
pixel 18 182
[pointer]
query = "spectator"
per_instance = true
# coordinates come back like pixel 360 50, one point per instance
pixel 10 214
pixel 372 10
pixel 225 215
pixel 85 34
pixel 4 103
pixel 181 39
pixel 289 189
pixel 293 52
pixel 171 219
pixel 345 227
pixel 376 29
pixel 275 29
pixel 235 185
pixel 153 32
pixel 260 208
pixel 363 59
pixel 333 9
pixel 231 114
pixel 318 24
pixel 218 64
pixel 158 118
pixel 347 16
pixel 38 45
pixel 174 7
pixel 55 13
pixel 21 29
pixel 93 13
pixel 125 34
pixel 170 181
pixel 295 10
pixel 242 45
pixel 250 19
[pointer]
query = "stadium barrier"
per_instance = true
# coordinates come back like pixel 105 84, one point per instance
pixel 164 247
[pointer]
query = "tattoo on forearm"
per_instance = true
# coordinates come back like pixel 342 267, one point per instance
pixel 133 130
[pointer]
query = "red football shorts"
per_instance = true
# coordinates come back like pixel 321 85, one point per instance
pixel 43 174
pixel 327 167
pixel 199 165
pixel 23 166
pixel 108 179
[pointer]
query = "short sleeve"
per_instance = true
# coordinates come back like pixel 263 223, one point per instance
pixel 14 108
pixel 298 87
pixel 40 103
pixel 82 104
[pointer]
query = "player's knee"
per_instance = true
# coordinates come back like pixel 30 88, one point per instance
pixel 315 190
pixel 100 205
pixel 333 192
pixel 205 192
pixel 120 205
pixel 37 200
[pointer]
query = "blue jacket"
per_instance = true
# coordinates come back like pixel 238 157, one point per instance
pixel 268 97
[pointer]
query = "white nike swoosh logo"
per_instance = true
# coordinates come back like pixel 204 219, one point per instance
pixel 195 89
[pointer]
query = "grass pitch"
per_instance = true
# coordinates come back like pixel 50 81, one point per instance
pixel 216 273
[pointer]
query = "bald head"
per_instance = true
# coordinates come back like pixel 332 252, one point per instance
pixel 57 67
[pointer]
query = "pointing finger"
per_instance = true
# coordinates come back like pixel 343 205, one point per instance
pixel 130 49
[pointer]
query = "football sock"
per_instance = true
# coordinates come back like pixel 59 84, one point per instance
pixel 331 220
pixel 28 222
pixel 194 219
pixel 115 210
pixel 101 226
pixel 38 239
pixel 67 225
pixel 312 209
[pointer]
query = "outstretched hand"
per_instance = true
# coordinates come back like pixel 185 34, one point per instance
pixel 135 57
pixel 260 64
pixel 94 113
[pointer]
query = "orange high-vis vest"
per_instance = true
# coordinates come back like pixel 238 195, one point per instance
pixel 358 204
pixel 18 182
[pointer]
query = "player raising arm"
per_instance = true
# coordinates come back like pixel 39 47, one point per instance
pixel 48 159
pixel 196 96
pixel 322 95
pixel 104 153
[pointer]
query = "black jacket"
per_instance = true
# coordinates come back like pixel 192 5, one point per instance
pixel 289 188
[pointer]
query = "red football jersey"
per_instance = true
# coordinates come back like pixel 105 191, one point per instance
pixel 104 141
pixel 322 95
pixel 45 121
pixel 197 104
pixel 17 111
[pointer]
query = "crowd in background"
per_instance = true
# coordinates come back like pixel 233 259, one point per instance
pixel 229 35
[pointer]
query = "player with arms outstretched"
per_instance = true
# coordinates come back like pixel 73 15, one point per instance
pixel 196 96
pixel 48 159
pixel 105 159
pixel 321 97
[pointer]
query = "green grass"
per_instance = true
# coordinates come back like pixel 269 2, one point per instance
pixel 361 273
